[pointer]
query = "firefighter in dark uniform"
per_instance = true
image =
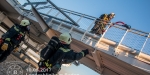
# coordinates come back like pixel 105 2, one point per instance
pixel 57 50
pixel 101 22
pixel 12 38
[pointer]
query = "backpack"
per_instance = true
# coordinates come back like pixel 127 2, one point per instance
pixel 50 49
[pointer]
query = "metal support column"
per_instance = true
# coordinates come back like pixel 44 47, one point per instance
pixel 98 61
pixel 42 23
pixel 3 17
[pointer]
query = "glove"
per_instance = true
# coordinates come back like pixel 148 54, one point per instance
pixel 4 47
pixel 16 49
pixel 127 26
pixel 85 52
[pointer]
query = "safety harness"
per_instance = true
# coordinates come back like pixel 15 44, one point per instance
pixel 103 22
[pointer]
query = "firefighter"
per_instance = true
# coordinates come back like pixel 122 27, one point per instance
pixel 12 38
pixel 101 22
pixel 58 49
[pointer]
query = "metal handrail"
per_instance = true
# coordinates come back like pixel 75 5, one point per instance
pixel 132 30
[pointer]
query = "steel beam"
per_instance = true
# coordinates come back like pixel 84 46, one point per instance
pixel 40 20
pixel 63 13
pixel 98 60
pixel 34 3
pixel 68 11
pixel 52 17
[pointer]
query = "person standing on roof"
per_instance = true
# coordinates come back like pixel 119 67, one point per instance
pixel 101 22
pixel 12 38
pixel 57 50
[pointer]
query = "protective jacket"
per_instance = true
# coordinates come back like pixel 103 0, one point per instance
pixel 53 54
pixel 12 38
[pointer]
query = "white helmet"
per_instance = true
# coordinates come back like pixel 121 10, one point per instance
pixel 113 14
pixel 25 23
pixel 65 37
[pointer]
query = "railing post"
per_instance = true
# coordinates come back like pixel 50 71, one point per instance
pixel 71 29
pixel 116 49
pixel 80 18
pixel 57 14
pixel 87 29
pixel 102 36
pixel 50 10
pixel 76 22
pixel 145 43
pixel 49 23
pixel 62 22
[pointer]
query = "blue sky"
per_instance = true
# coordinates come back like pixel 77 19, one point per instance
pixel 133 12
pixel 77 70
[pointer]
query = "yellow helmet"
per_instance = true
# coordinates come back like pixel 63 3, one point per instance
pixel 25 23
pixel 65 37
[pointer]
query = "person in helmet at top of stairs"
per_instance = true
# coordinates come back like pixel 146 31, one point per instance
pixel 57 50
pixel 101 22
pixel 10 40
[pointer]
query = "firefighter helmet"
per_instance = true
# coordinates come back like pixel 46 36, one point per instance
pixel 112 14
pixel 65 37
pixel 25 23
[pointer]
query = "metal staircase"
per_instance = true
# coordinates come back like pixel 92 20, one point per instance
pixel 130 46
